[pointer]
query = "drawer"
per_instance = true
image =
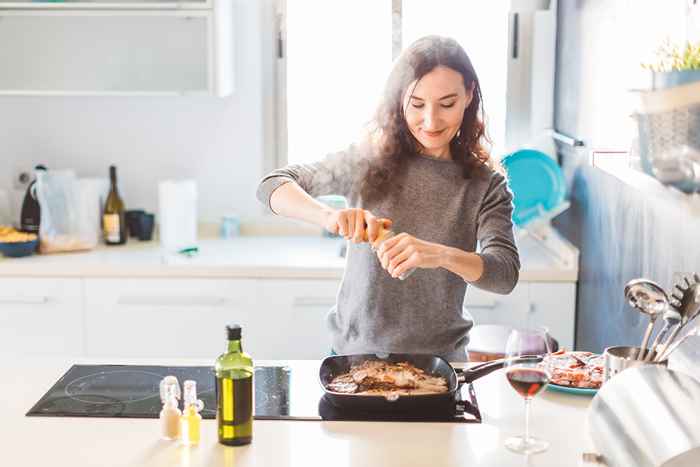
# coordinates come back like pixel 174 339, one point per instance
pixel 167 317
pixel 41 316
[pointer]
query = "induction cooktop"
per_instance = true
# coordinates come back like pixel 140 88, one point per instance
pixel 281 393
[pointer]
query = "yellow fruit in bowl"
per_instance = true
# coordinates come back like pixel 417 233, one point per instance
pixel 11 235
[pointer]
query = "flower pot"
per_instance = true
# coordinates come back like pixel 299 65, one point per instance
pixel 669 79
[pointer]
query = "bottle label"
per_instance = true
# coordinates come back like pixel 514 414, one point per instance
pixel 111 227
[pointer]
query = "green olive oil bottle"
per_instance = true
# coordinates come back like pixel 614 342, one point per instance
pixel 234 392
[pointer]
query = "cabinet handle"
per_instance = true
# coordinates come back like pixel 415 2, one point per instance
pixel 486 304
pixel 23 300
pixel 313 301
pixel 170 301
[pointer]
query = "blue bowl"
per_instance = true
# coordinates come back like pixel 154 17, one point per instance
pixel 18 249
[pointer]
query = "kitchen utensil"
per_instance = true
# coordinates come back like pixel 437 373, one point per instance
pixel 671 318
pixel 622 357
pixel 671 348
pixel 687 302
pixel 537 183
pixel 339 364
pixel 685 358
pixel 649 298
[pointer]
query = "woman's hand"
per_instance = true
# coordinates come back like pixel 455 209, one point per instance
pixel 358 225
pixel 404 252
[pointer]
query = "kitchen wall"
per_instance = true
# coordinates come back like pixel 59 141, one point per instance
pixel 223 143
pixel 624 230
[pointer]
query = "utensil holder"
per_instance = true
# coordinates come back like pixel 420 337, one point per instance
pixel 622 357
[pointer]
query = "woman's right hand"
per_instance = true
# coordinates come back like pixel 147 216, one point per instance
pixel 358 225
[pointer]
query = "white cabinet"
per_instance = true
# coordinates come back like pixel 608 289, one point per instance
pixel 41 316
pixel 489 308
pixel 127 48
pixel 168 317
pixel 298 325
pixel 550 304
pixel 553 304
pixel 281 319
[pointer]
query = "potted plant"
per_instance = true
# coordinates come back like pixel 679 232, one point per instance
pixel 676 65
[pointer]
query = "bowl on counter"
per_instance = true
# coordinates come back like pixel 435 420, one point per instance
pixel 18 249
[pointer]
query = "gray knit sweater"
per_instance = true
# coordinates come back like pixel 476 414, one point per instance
pixel 376 313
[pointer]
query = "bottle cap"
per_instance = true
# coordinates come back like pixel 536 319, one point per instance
pixel 233 332
pixel 167 384
pixel 190 397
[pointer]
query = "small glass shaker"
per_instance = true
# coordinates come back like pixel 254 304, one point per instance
pixel 230 226
pixel 383 236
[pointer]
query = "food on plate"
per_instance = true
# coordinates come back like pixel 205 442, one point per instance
pixel 576 369
pixel 379 378
pixel 10 235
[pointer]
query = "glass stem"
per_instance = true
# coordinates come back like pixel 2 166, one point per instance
pixel 527 420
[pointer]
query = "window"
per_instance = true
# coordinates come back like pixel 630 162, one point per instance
pixel 338 54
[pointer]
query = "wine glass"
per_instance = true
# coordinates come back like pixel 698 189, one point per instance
pixel 528 378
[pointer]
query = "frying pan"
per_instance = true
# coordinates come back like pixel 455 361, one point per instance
pixel 432 364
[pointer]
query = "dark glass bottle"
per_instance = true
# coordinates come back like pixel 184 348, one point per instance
pixel 113 218
pixel 30 216
pixel 234 392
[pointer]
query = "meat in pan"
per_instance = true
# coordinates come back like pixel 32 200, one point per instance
pixel 374 377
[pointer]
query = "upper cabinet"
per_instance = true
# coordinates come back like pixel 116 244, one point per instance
pixel 116 48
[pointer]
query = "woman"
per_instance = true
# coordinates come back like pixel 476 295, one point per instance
pixel 423 170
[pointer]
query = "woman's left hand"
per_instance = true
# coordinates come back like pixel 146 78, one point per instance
pixel 404 252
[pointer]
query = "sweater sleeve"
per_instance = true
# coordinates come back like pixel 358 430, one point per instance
pixel 495 235
pixel 334 175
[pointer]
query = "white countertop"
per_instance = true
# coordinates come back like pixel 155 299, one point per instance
pixel 265 257
pixel 76 442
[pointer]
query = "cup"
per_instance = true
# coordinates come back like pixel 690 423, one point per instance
pixel 146 223
pixel 622 357
pixel 133 220
pixel 230 226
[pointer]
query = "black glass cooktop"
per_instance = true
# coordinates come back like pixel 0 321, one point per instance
pixel 281 393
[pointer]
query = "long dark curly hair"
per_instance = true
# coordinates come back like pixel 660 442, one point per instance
pixel 391 140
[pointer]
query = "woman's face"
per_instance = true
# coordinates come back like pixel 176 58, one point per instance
pixel 434 109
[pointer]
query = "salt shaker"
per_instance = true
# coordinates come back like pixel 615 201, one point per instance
pixel 170 414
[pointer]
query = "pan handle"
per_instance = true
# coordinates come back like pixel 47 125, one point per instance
pixel 468 375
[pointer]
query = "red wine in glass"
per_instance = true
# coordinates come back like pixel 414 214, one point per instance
pixel 528 378
pixel 528 382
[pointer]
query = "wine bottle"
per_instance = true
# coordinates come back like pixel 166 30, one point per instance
pixel 113 219
pixel 234 392
pixel 30 216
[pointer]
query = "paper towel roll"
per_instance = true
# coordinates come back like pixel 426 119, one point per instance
pixel 177 213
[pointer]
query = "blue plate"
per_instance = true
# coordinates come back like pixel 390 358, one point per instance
pixel 570 390
pixel 537 183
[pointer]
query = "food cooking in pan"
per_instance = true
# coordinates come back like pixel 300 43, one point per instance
pixel 378 378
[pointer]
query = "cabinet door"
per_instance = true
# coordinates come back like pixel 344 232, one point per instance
pixel 168 317
pixel 41 316
pixel 75 52
pixel 490 308
pixel 298 327
pixel 554 305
